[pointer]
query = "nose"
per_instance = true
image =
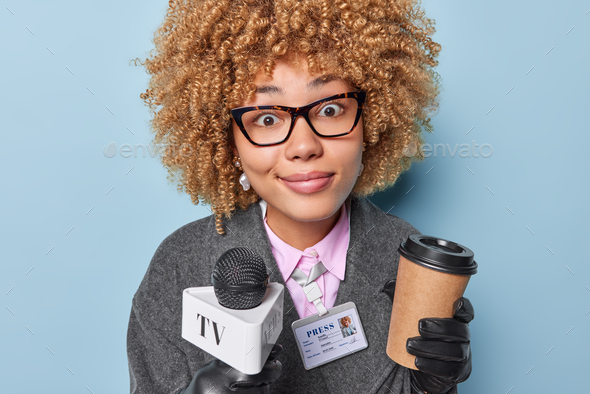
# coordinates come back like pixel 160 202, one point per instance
pixel 303 143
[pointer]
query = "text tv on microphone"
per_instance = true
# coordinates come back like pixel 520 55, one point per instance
pixel 238 319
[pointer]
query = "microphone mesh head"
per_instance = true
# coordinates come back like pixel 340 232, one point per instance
pixel 240 266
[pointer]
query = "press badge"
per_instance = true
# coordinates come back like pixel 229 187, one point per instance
pixel 336 334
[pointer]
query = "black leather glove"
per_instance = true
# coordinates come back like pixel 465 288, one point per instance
pixel 443 351
pixel 217 377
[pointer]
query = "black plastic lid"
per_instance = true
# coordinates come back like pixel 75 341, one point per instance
pixel 439 254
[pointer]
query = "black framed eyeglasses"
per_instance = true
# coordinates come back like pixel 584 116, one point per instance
pixel 334 116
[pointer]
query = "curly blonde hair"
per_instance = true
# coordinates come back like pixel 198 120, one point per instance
pixel 207 53
pixel 346 319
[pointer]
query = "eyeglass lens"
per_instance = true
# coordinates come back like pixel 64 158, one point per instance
pixel 268 126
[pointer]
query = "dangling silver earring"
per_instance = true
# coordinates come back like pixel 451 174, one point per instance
pixel 244 181
pixel 361 170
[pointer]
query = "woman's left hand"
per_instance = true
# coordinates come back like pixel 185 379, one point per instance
pixel 443 352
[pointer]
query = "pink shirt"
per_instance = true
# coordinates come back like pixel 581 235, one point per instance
pixel 331 251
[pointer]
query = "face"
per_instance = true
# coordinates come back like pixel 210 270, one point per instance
pixel 345 323
pixel 333 164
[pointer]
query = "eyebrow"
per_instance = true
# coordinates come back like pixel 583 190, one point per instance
pixel 316 83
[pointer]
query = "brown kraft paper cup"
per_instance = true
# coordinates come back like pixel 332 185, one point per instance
pixel 432 274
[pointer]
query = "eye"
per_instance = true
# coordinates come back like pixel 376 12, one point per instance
pixel 331 110
pixel 267 120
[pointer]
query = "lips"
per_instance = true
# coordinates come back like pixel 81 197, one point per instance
pixel 309 182
pixel 306 176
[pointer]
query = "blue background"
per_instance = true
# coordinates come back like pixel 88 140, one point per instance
pixel 79 228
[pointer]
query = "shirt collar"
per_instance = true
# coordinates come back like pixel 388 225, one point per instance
pixel 331 249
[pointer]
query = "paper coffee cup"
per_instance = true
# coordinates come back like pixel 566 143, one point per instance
pixel 432 274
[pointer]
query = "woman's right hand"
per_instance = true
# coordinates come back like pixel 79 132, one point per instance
pixel 219 378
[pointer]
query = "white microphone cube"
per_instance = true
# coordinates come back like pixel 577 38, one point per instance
pixel 242 338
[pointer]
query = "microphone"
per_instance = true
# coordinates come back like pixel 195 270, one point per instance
pixel 238 319
pixel 240 279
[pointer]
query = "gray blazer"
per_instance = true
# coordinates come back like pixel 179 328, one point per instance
pixel 162 362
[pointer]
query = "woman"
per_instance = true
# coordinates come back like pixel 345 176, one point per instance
pixel 347 88
pixel 347 327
